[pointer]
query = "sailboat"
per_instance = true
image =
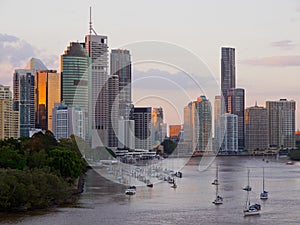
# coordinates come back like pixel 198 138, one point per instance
pixel 264 194
pixel 216 180
pixel 219 199
pixel 248 187
pixel 250 210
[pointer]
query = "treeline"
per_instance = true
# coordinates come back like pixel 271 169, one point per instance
pixel 38 172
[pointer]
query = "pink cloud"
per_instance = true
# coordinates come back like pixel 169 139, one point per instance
pixel 285 44
pixel 274 61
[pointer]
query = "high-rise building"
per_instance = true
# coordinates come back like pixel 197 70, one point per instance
pixel 74 76
pixel 229 123
pixel 217 122
pixel 47 92
pixel 142 127
pixel 174 130
pixel 120 64
pixel 204 128
pixel 97 49
pixel 236 106
pixel 157 125
pixel 113 110
pixel 227 72
pixel 281 122
pixel 198 124
pixel 256 128
pixel 67 121
pixel 9 119
pixel 23 97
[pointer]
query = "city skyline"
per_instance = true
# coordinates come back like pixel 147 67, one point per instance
pixel 267 58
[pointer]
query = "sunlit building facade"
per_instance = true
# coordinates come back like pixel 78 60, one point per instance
pixel 47 92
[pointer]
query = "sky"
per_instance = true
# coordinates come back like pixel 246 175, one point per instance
pixel 265 34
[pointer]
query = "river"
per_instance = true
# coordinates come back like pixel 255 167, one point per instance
pixel 104 202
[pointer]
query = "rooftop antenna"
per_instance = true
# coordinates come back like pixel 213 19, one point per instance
pixel 91 26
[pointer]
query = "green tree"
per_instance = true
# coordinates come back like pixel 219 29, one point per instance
pixel 65 162
pixel 169 146
pixel 10 158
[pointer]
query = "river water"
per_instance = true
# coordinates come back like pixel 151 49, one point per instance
pixel 104 202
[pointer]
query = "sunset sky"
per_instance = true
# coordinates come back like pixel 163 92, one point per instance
pixel 265 33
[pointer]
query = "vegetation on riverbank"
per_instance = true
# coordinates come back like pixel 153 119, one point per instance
pixel 38 172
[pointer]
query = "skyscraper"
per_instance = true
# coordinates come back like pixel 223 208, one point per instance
pixel 23 95
pixel 256 128
pixel 157 124
pixel 198 124
pixel 47 92
pixel 281 122
pixel 120 64
pixel 227 72
pixel 9 119
pixel 113 110
pixel 229 123
pixel 236 106
pixel 142 127
pixel 74 76
pixel 204 129
pixel 217 122
pixel 97 49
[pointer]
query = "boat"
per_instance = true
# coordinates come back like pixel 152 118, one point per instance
pixel 248 187
pixel 174 185
pixel 216 180
pixel 130 190
pixel 264 194
pixel 219 199
pixel 289 163
pixel 251 210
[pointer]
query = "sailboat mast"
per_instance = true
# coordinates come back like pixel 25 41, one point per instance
pixel 263 179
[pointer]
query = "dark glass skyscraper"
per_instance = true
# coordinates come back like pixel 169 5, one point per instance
pixel 236 106
pixel 23 87
pixel 227 72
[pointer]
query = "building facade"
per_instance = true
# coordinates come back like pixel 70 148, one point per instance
pixel 120 64
pixel 47 92
pixel 229 124
pixel 113 110
pixel 227 72
pixel 281 122
pixel 23 97
pixel 9 119
pixel 142 127
pixel 157 125
pixel 236 106
pixel 97 49
pixel 256 128
pixel 67 121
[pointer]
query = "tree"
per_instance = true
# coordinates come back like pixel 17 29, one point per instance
pixel 10 158
pixel 169 146
pixel 65 162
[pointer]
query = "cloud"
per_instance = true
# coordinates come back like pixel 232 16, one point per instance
pixel 15 53
pixel 274 61
pixel 156 79
pixel 284 44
